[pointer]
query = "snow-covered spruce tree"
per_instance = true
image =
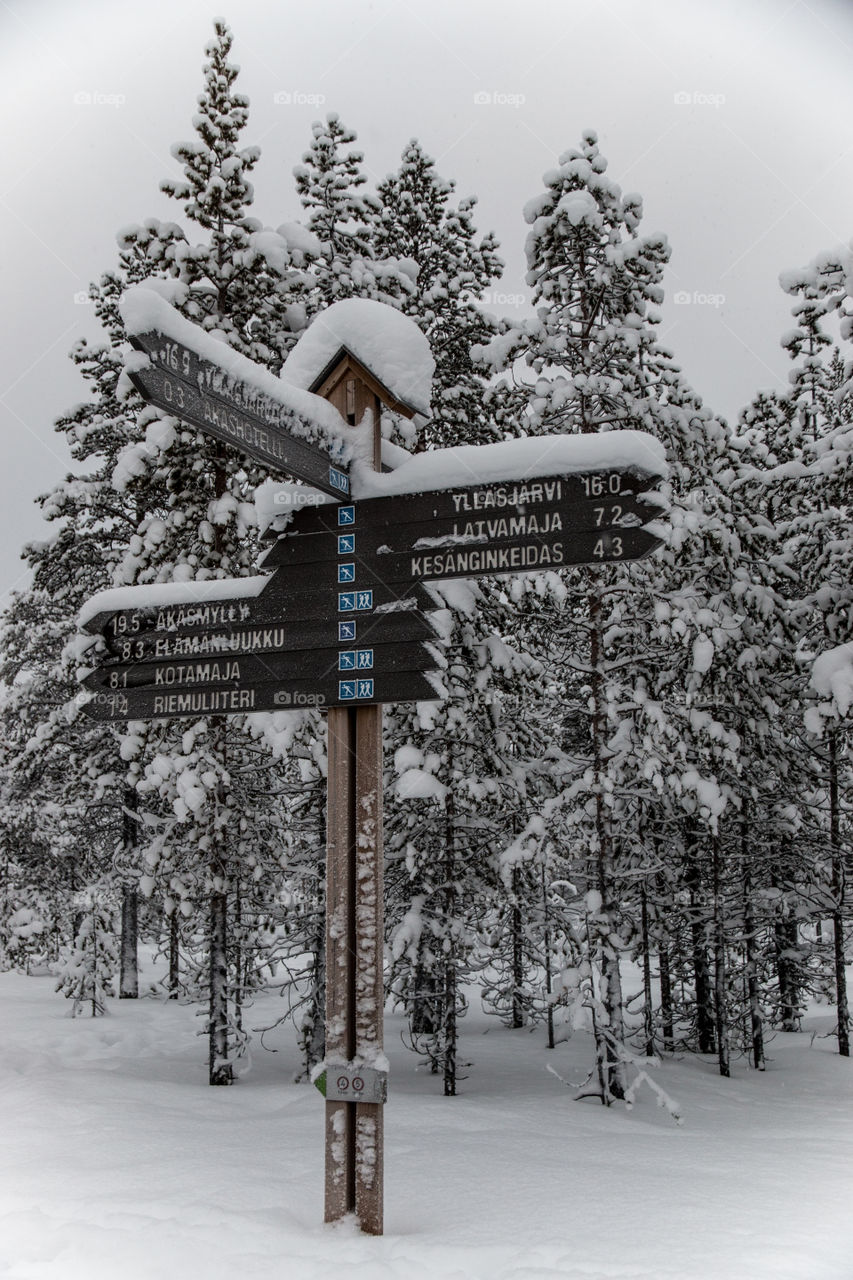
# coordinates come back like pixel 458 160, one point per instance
pixel 328 183
pixel 289 916
pixel 457 786
pixel 417 223
pixel 590 362
pixel 90 965
pixel 39 874
pixel 818 551
pixel 434 927
pixel 59 761
pixel 241 282
pixel 777 760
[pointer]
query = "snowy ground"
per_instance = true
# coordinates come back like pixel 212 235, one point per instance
pixel 119 1161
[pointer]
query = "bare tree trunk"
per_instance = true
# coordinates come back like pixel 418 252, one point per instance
pixel 423 1019
pixel 518 1018
pixel 648 1003
pixel 174 956
pixel 838 894
pixel 238 957
pixel 611 978
pixel 450 1029
pixel 313 1033
pixel 128 987
pixel 785 939
pixel 701 965
pixel 220 1071
pixel 720 1004
pixel 755 1019
pixel 549 982
pixel 449 1021
pixel 665 997
pixel 219 1065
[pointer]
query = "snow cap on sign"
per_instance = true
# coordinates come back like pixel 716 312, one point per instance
pixel 171 595
pixel 515 461
pixel 389 345
pixel 147 308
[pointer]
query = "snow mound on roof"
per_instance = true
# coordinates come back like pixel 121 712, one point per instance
pixel 389 344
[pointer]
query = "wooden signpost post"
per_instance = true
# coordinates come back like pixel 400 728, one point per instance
pixel 341 623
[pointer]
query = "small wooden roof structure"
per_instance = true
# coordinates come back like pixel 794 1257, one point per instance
pixel 350 386
pixel 344 367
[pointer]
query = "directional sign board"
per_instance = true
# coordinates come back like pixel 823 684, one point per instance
pixel 541 523
pixel 367 539
pixel 337 690
pixel 438 559
pixel 488 511
pixel 195 390
pixel 277 604
pixel 268 668
pixel 399 626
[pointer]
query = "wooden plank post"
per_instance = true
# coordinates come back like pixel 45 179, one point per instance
pixel 340 954
pixel 354 913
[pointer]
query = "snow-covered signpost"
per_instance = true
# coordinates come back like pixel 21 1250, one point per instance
pixel 343 621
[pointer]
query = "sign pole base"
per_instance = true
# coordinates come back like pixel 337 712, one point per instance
pixel 354 968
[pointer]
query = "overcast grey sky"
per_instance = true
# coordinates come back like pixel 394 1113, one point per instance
pixel 732 119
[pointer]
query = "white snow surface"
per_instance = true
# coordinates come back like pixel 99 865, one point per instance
pixel 169 595
pixel 144 309
pixel 386 342
pixel 511 460
pixel 119 1162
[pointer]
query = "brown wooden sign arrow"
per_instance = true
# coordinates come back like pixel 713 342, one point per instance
pixel 400 626
pixel 580 500
pixel 435 560
pixel 340 691
pixel 195 390
pixel 268 668
pixel 277 603
pixel 365 539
